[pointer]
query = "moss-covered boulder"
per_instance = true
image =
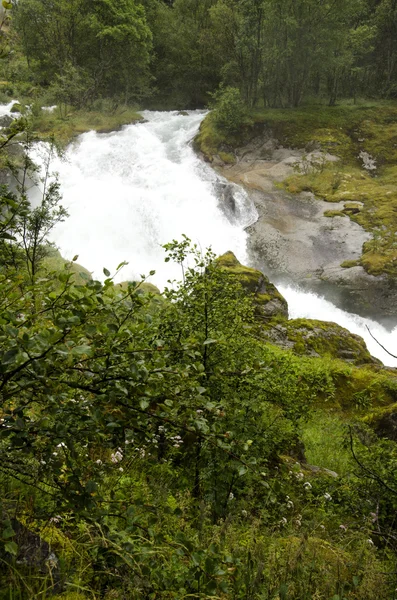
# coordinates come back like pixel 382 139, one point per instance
pixel 269 303
pixel 55 262
pixel 320 338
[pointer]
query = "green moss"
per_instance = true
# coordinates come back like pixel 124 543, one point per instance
pixel 334 213
pixel 348 264
pixel 326 339
pixel 267 299
pixel 210 141
pixel 227 158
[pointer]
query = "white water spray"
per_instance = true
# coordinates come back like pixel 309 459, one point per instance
pixel 131 191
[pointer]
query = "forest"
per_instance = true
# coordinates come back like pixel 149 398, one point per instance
pixel 159 445
pixel 177 53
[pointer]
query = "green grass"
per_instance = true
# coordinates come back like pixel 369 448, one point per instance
pixel 324 440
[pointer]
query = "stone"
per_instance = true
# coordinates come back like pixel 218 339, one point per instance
pixel 268 301
pixel 319 338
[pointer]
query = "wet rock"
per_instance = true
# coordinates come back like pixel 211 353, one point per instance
pixel 6 120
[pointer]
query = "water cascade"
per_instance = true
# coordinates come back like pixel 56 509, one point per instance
pixel 130 191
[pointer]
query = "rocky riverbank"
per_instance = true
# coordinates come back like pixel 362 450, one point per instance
pixel 299 237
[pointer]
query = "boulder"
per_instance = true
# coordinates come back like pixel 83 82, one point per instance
pixel 319 338
pixel 268 301
pixel 6 120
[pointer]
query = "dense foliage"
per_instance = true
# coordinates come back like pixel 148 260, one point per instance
pixel 278 53
pixel 150 445
pixel 154 445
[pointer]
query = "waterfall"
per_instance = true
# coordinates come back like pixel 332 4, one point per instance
pixel 130 191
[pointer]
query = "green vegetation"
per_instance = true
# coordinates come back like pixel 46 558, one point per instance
pixel 157 448
pixel 160 445
pixel 64 127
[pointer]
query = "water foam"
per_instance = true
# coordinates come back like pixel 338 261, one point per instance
pixel 130 191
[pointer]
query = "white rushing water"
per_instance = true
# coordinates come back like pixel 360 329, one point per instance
pixel 307 305
pixel 130 191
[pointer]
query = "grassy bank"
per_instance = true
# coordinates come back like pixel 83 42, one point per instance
pixel 64 125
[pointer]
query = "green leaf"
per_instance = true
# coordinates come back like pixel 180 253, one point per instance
pixel 210 341
pixel 91 487
pixel 8 531
pixel 80 350
pixel 7 5
pixel 144 403
pixel 11 548
pixel 9 356
pixel 242 470
pixel 75 258
pixel 106 272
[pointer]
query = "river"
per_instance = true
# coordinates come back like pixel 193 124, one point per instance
pixel 130 191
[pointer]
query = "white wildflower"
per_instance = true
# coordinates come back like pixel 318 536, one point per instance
pixel 116 456
pixel 307 485
pixel 327 496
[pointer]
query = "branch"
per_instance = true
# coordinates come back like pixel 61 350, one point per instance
pixel 365 469
pixel 379 344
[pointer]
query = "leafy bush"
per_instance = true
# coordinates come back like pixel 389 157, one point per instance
pixel 229 112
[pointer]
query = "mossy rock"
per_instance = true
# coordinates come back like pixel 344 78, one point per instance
pixel 320 338
pixel 384 421
pixel 334 213
pixel 352 208
pixel 349 264
pixel 16 108
pixel 227 157
pixel 55 262
pixel 268 301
